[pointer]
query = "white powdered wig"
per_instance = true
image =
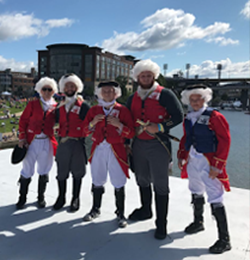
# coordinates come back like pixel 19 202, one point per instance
pixel 70 78
pixel 145 65
pixel 98 92
pixel 46 81
pixel 202 90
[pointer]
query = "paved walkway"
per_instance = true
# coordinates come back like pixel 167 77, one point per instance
pixel 43 234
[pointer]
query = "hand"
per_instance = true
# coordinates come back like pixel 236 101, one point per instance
pixel 181 162
pixel 152 128
pixel 22 143
pixel 128 149
pixel 214 172
pixel 97 119
pixel 114 121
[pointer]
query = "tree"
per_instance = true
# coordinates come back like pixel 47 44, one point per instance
pixel 180 73
pixel 162 81
pixel 123 81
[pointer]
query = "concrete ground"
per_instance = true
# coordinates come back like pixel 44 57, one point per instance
pixel 39 234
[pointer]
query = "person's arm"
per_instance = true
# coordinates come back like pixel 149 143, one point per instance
pixel 174 108
pixel 23 124
pixel 84 110
pixel 219 125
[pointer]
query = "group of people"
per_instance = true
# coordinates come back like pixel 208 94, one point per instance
pixel 140 131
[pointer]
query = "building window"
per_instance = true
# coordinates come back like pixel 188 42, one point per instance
pixel 88 67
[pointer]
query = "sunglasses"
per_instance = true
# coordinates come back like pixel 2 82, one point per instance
pixel 47 89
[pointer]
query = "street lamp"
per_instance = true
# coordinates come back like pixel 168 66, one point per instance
pixel 165 68
pixel 219 68
pixel 187 69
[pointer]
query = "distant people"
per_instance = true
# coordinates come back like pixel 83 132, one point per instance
pixel 202 156
pixel 110 123
pixel 13 131
pixel 36 131
pixel 71 155
pixel 155 110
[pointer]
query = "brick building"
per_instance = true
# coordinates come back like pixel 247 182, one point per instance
pixel 91 64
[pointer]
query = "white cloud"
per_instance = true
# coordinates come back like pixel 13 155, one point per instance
pixel 15 65
pixel 53 23
pixel 246 10
pixel 208 69
pixel 222 41
pixel 19 25
pixel 166 29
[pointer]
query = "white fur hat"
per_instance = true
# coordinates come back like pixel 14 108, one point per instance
pixel 70 78
pixel 46 81
pixel 198 89
pixel 145 65
pixel 115 85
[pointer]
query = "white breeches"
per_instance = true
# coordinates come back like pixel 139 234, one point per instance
pixel 104 161
pixel 199 181
pixel 40 151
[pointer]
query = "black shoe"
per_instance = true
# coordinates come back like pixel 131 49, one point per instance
pixel 59 203
pixel 122 222
pixel 41 203
pixel 194 228
pixel 21 202
pixel 140 214
pixel 94 213
pixel 220 246
pixel 75 205
pixel 160 234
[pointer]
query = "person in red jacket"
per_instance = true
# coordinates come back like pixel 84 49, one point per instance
pixel 70 156
pixel 36 132
pixel 110 123
pixel 155 110
pixel 202 156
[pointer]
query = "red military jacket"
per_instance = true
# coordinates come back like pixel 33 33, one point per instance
pixel 151 111
pixel 218 159
pixel 34 120
pixel 70 124
pixel 112 134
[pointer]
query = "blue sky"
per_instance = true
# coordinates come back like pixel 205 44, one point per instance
pixel 202 33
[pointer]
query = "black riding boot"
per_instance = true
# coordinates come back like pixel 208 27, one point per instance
pixel 119 202
pixel 42 183
pixel 145 212
pixel 97 201
pixel 75 202
pixel 24 184
pixel 223 244
pixel 61 197
pixel 196 226
pixel 161 205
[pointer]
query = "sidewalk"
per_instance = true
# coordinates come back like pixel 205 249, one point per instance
pixel 39 234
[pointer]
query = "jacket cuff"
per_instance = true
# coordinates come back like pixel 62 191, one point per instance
pixel 218 163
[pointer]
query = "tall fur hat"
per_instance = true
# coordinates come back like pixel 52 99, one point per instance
pixel 114 84
pixel 46 81
pixel 145 65
pixel 198 89
pixel 70 78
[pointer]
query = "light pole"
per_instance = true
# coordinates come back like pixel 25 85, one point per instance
pixel 165 68
pixel 187 69
pixel 219 68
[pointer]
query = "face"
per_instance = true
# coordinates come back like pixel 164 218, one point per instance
pixel 70 89
pixel 47 92
pixel 146 79
pixel 196 101
pixel 108 93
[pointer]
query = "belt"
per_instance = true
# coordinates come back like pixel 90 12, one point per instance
pixel 66 138
pixel 40 138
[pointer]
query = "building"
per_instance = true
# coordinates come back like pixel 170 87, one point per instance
pixel 91 64
pixel 18 83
